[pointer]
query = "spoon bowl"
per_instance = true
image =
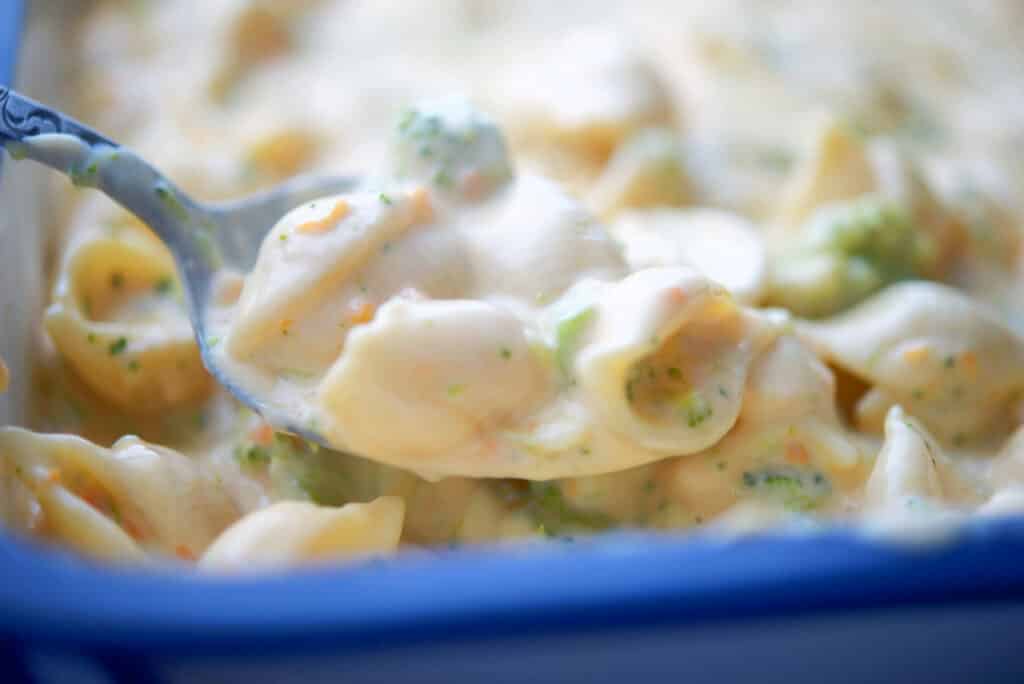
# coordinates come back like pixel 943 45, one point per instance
pixel 203 238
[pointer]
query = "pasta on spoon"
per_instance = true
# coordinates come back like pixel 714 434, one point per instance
pixel 457 318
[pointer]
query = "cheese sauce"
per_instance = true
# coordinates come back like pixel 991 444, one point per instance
pixel 612 265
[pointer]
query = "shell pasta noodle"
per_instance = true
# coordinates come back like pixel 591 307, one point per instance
pixel 730 266
pixel 293 532
pixel 120 503
pixel 118 320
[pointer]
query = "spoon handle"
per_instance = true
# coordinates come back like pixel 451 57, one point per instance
pixel 21 118
pixel 29 130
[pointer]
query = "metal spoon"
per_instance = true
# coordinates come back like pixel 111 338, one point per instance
pixel 202 237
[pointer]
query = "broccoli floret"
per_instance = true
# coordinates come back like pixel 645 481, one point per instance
pixel 694 408
pixel 547 508
pixel 846 252
pixel 323 476
pixel 796 489
pixel 567 336
pixel 251 455
pixel 452 146
pixel 872 230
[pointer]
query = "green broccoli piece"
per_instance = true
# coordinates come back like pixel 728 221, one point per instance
pixel 695 408
pixel 567 337
pixel 251 455
pixel 845 253
pixel 452 146
pixel 320 474
pixel 796 489
pixel 547 508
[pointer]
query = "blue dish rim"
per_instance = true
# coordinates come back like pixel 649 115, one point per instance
pixel 10 30
pixel 620 581
pixel 617 581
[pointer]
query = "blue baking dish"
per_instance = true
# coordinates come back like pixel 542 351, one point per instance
pixel 811 607
pixel 10 26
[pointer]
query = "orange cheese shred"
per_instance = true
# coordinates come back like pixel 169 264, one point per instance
pixel 263 434
pixel 133 531
pixel 322 225
pixel 797 453
pixel 916 354
pixel 969 362
pixel 424 209
pixel 363 314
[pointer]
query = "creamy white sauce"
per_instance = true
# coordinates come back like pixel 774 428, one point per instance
pixel 468 321
pixel 233 96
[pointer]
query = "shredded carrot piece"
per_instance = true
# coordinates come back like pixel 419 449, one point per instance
pixel 422 205
pixel 341 210
pixel 797 453
pixel 490 443
pixel 133 531
pixel 263 434
pixel 184 553
pixel 969 362
pixel 916 354
pixel 53 475
pixel 364 314
pixel 285 324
